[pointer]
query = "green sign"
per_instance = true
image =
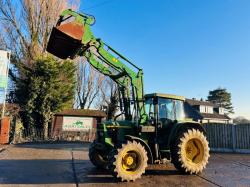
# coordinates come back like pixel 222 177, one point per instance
pixel 77 123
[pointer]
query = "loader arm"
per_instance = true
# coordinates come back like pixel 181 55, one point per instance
pixel 79 40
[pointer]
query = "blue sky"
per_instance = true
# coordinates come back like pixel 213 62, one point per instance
pixel 184 47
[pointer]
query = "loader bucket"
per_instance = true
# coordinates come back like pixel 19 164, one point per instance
pixel 65 40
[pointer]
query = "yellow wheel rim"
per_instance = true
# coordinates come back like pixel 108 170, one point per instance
pixel 194 151
pixel 131 161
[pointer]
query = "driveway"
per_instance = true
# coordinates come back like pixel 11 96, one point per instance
pixel 68 165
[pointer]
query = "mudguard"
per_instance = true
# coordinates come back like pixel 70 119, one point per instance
pixel 177 127
pixel 149 152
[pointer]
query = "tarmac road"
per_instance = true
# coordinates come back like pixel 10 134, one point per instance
pixel 68 165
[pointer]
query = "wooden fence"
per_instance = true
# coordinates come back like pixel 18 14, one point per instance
pixel 228 137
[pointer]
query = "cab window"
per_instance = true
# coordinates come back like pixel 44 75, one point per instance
pixel 166 109
pixel 149 106
pixel 171 109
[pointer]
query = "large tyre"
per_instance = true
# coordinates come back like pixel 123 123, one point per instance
pixel 128 162
pixel 97 157
pixel 190 152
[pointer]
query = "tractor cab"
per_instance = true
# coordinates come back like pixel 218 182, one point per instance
pixel 165 108
pixel 165 111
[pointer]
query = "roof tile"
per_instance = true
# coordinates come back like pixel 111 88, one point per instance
pixel 194 102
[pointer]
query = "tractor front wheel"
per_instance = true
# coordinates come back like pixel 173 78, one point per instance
pixel 128 162
pixel 97 157
pixel 190 152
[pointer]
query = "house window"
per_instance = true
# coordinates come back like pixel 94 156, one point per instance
pixel 209 109
pixel 221 111
pixel 206 109
pixel 202 109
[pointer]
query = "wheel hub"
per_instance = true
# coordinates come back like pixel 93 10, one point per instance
pixel 130 161
pixel 194 151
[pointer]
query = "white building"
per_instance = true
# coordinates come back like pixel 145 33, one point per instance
pixel 205 112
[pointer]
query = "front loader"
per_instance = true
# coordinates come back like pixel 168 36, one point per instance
pixel 154 128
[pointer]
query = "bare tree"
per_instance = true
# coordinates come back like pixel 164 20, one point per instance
pixel 94 90
pixel 89 85
pixel 109 98
pixel 25 30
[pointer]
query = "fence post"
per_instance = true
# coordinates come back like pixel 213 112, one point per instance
pixel 234 137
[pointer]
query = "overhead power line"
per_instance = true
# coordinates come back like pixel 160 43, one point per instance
pixel 99 4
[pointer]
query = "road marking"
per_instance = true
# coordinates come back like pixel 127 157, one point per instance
pixel 236 162
pixel 208 180
pixel 74 169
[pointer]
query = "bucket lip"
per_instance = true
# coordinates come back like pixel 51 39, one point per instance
pixel 53 34
pixel 72 29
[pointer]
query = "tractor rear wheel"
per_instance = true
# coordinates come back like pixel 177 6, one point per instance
pixel 190 152
pixel 97 157
pixel 128 162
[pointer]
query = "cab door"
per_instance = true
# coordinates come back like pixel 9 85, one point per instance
pixel 166 119
pixel 169 112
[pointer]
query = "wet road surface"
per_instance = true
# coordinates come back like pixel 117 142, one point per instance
pixel 68 165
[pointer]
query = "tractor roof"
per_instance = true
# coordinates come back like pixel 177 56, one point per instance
pixel 169 96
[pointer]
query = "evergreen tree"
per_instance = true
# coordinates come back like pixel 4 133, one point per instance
pixel 48 88
pixel 222 98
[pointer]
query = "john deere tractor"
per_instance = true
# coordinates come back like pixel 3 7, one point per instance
pixel 153 129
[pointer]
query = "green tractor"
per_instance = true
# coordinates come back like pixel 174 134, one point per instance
pixel 153 129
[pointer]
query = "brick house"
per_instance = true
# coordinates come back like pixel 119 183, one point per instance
pixel 205 112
